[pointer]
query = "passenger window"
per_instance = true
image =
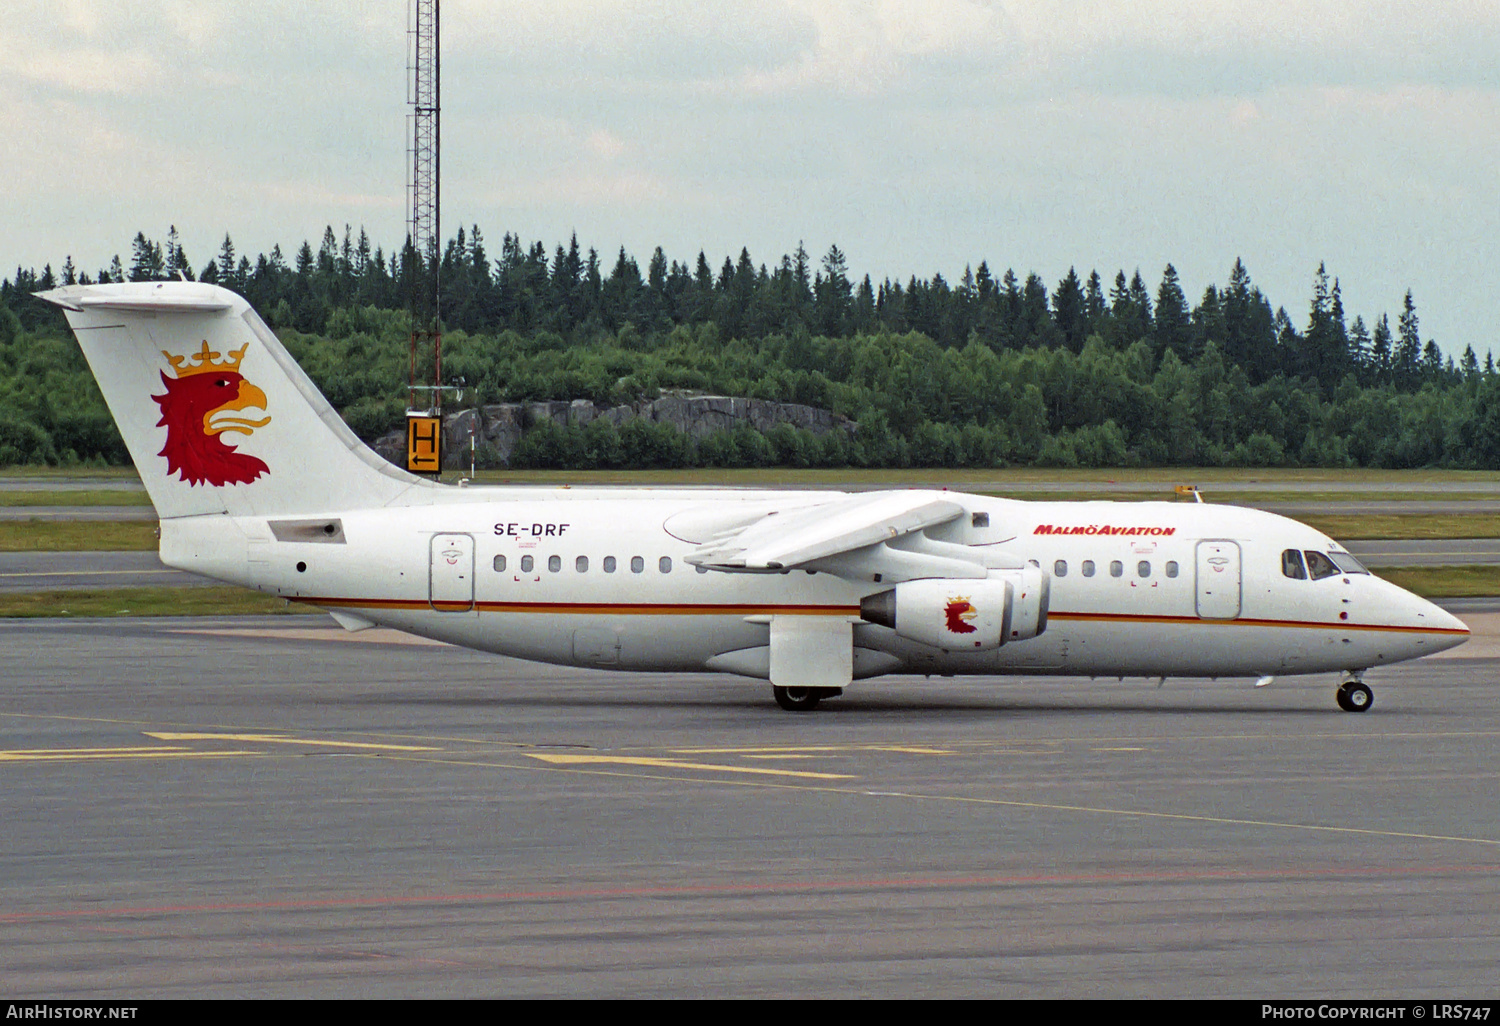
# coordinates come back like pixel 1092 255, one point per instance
pixel 1088 568
pixel 637 564
pixel 1116 568
pixel 609 564
pixel 581 564
pixel 1143 568
pixel 1060 568
pixel 499 564
pixel 1291 565
pixel 664 564
pixel 554 563
pixel 1320 566
pixel 526 564
pixel 1171 568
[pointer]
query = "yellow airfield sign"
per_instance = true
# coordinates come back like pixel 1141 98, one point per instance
pixel 424 445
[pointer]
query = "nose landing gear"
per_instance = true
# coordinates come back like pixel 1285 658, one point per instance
pixel 1354 696
pixel 802 699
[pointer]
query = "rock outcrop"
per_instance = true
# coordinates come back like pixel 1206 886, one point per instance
pixel 497 428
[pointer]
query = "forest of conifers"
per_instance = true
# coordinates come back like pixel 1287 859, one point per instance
pixel 985 371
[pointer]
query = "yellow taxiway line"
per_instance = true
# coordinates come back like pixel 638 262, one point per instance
pixel 813 750
pixel 677 764
pixel 70 754
pixel 284 740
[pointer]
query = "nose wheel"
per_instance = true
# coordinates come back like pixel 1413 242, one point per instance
pixel 1354 696
pixel 802 699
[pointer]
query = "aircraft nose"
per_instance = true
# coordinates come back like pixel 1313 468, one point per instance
pixel 1448 630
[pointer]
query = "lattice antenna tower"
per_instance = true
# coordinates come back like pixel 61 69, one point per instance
pixel 423 97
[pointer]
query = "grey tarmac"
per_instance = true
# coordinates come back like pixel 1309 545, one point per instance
pixel 70 484
pixel 242 807
pixel 1428 552
pixel 89 513
pixel 46 571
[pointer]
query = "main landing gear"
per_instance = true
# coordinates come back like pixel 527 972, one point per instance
pixel 803 699
pixel 1354 696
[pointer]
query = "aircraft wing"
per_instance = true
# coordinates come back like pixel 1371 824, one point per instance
pixel 829 535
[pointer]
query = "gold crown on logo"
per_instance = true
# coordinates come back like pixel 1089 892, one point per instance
pixel 205 361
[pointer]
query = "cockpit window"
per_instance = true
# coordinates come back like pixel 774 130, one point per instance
pixel 1347 563
pixel 1291 565
pixel 1320 566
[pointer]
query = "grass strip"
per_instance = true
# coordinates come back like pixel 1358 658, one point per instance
pixel 162 601
pixel 28 471
pixel 77 536
pixel 1404 526
pixel 92 497
pixel 1445 581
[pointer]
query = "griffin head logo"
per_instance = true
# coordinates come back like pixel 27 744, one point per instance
pixel 958 612
pixel 202 403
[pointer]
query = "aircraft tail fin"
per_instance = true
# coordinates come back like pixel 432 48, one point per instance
pixel 216 414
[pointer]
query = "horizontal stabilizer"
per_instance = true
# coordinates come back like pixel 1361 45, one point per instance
pixel 77 298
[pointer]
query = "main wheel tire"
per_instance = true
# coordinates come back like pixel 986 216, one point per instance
pixel 797 699
pixel 1353 696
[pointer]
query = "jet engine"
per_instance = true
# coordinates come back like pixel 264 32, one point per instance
pixel 957 614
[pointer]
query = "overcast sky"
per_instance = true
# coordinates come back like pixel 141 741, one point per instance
pixel 918 135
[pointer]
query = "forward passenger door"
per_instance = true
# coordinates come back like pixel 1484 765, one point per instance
pixel 1218 580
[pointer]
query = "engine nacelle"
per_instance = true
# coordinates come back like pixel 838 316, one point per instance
pixel 964 615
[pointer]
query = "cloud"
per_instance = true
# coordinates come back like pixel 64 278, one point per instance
pixel 672 41
pixel 918 134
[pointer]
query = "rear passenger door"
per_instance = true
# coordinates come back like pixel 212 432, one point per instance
pixel 451 573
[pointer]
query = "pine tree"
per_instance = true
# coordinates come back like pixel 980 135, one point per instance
pixel 1380 351
pixel 658 304
pixel 1325 354
pixel 1093 302
pixel 1068 311
pixel 1408 355
pixel 1359 348
pixel 226 262
pixel 146 262
pixel 173 248
pixel 802 296
pixel 833 298
pixel 1251 335
pixel 1174 329
pixel 1432 361
pixel 362 255
pixel 328 254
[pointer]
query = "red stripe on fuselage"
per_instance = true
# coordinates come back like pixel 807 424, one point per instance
pixel 735 609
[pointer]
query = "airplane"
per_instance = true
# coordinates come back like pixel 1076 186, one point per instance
pixel 258 482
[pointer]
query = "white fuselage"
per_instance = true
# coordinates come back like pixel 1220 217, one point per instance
pixel 598 577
